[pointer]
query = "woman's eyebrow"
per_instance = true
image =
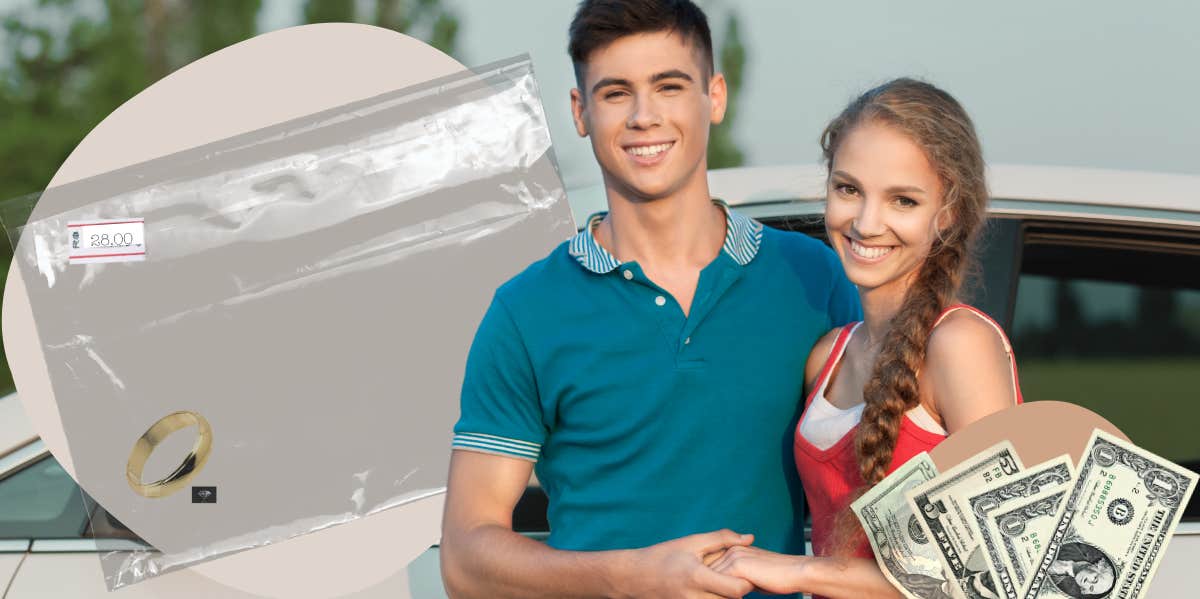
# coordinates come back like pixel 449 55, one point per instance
pixel 848 177
pixel 905 189
pixel 891 190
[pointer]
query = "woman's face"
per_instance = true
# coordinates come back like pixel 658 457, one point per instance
pixel 884 201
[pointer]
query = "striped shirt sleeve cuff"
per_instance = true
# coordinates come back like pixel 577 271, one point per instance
pixel 499 445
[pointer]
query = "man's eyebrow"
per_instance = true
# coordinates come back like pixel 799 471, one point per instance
pixel 607 81
pixel 671 74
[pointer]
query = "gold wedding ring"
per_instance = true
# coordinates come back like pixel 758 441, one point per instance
pixel 149 440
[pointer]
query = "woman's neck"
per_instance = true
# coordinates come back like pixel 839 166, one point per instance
pixel 880 306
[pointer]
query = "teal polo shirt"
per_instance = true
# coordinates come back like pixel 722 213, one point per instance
pixel 646 424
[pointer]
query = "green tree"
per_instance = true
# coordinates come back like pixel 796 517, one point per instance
pixel 723 150
pixel 217 24
pixel 62 71
pixel 427 20
pixel 329 11
pixel 59 82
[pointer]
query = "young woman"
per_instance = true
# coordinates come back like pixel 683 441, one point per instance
pixel 906 200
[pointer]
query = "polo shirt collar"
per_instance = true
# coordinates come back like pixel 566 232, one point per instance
pixel 743 236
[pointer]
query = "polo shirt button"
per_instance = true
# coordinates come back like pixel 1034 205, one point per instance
pixel 687 341
pixel 628 275
pixel 660 300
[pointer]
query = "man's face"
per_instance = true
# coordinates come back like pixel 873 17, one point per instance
pixel 647 109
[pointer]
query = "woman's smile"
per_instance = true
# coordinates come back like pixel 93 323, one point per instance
pixel 867 254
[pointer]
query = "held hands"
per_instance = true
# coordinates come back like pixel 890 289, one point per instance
pixel 770 572
pixel 676 568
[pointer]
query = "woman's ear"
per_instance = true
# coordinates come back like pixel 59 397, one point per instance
pixel 943 220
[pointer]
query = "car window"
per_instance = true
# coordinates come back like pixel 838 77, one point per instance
pixel 1109 318
pixel 41 501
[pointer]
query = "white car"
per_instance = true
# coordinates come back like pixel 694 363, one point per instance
pixel 1095 274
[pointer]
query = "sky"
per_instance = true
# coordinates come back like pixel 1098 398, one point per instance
pixel 1097 83
pixel 1094 83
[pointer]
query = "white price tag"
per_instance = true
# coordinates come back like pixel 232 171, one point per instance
pixel 117 240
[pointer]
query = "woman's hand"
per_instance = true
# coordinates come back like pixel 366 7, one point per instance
pixel 768 571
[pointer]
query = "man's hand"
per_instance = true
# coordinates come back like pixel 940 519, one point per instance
pixel 676 568
pixel 768 571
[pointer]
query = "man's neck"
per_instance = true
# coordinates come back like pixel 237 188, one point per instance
pixel 685 230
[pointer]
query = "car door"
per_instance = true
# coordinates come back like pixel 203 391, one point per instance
pixel 48 547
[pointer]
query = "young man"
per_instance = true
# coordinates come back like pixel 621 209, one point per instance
pixel 652 367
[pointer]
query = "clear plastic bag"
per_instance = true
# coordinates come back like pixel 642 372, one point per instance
pixel 287 350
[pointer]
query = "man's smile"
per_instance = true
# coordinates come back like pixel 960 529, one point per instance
pixel 648 153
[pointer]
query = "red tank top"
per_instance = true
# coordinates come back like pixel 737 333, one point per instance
pixel 830 475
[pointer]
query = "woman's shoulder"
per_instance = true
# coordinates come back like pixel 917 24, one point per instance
pixel 820 354
pixel 965 333
pixel 968 368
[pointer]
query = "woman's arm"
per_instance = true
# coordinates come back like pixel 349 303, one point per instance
pixel 967 370
pixel 835 578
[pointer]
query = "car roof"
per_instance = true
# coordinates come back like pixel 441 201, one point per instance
pixel 1016 189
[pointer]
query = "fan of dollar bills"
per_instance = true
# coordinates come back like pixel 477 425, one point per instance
pixel 992 528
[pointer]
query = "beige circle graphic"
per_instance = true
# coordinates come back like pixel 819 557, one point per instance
pixel 263 81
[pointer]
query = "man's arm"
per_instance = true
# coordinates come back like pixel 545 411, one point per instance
pixel 481 556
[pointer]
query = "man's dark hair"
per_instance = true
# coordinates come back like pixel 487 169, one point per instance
pixel 599 23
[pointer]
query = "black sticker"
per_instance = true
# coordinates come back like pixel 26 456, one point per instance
pixel 204 494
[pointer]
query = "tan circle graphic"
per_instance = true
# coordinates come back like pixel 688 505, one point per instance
pixel 1039 431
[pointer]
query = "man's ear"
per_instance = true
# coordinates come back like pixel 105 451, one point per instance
pixel 578 112
pixel 718 95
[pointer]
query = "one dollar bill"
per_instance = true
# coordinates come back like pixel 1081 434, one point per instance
pixel 943 514
pixel 1022 532
pixel 1116 523
pixel 1005 496
pixel 905 555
